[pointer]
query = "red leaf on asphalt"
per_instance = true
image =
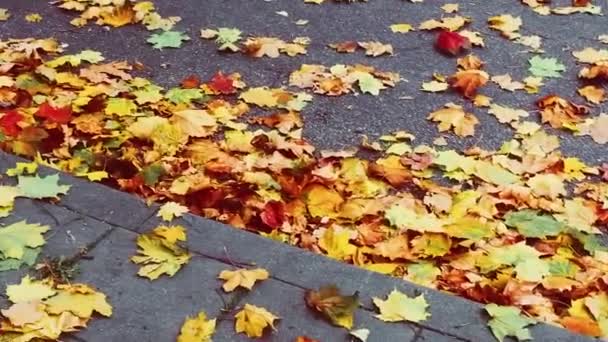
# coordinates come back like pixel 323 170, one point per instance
pixel 222 84
pixel 451 42
pixel 191 82
pixel 273 214
pixel 8 123
pixel 58 115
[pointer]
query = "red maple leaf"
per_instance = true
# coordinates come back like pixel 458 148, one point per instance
pixel 9 121
pixel 191 82
pixel 273 214
pixel 60 115
pixel 222 84
pixel 451 42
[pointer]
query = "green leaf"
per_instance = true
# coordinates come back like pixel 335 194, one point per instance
pixel 508 321
pixel 422 273
pixel 532 270
pixel 15 238
pixel 369 84
pixel 530 223
pixel 399 307
pixel 29 258
pixel 545 67
pixel 152 173
pixel 563 268
pixel 227 37
pixel 167 39
pixel 148 94
pixel 179 95
pixel 41 187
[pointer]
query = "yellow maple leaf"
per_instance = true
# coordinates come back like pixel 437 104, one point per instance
pixel 79 299
pixel 260 96
pixel 399 307
pixel 197 329
pixel 120 16
pixel 401 28
pixel 252 320
pixel 322 201
pixel 549 185
pixel 170 210
pixel 29 290
pixel 336 244
pixel 453 116
pixel 33 18
pixel 159 256
pixel 24 313
pixel 242 277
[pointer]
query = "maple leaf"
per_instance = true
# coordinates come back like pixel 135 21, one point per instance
pixel 4 14
pixel 183 96
pixel 399 307
pixel 530 223
pixel 592 94
pixel 273 214
pixel 170 210
pixel 549 185
pixel 167 39
pixel 369 84
pixel 197 329
pixel 41 187
pixel 171 234
pixel 79 299
pixel 158 257
pixel 18 240
pixel 508 321
pixel 431 244
pixel 434 86
pixel 120 16
pixel 506 114
pixel 194 123
pixel 468 81
pixel 322 201
pixel 222 84
pixel 401 28
pixel 506 82
pixel 451 43
pixel 448 23
pixel 224 36
pixel 336 244
pixel 507 24
pixel 338 309
pixel 33 17
pixel 9 123
pixel 545 67
pixel 376 49
pixel 252 320
pixel 453 116
pixel 29 290
pixel 559 112
pixel 54 114
pixel 24 313
pixel 120 107
pixel 242 277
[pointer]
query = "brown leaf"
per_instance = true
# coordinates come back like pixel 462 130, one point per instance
pixel 345 47
pixel 559 112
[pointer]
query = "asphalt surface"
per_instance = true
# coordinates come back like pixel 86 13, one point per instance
pixel 338 122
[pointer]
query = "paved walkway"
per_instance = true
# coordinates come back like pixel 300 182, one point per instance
pixel 106 222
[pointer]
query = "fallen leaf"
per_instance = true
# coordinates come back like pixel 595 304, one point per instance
pixel 338 309
pixel 451 43
pixel 41 187
pixel 468 81
pixel 252 320
pixel 197 329
pixel 399 307
pixel 545 67
pixel 167 39
pixel 454 117
pixel 401 28
pixel 170 210
pixel 158 256
pixel 242 277
pixel 592 94
pixel 508 321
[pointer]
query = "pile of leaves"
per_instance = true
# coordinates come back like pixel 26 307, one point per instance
pixel 519 228
pixel 44 310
